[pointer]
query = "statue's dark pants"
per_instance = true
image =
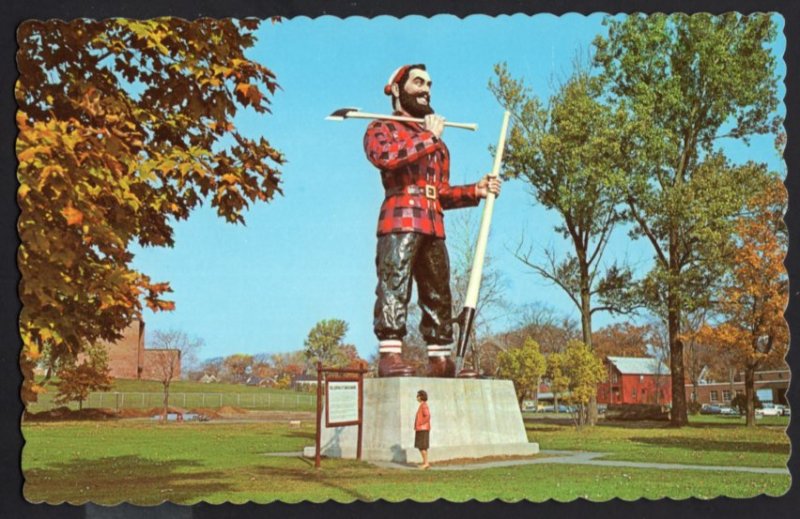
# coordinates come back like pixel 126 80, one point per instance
pixel 400 258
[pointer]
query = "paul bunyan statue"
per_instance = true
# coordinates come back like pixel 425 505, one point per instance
pixel 414 165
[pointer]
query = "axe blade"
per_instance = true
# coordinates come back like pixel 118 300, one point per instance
pixel 341 114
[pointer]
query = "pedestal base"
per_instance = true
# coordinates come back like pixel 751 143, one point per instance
pixel 469 419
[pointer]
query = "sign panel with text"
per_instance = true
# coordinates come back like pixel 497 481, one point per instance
pixel 341 398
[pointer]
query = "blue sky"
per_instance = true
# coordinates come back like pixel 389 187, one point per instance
pixel 309 255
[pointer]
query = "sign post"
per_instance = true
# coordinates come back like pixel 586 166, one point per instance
pixel 344 402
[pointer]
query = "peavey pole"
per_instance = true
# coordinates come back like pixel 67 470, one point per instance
pixel 467 316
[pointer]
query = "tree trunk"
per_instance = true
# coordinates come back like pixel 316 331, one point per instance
pixel 80 404
pixel 166 402
pixel 586 329
pixel 678 416
pixel 749 392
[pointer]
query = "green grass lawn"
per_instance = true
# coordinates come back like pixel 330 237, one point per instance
pixel 149 393
pixel 703 442
pixel 147 463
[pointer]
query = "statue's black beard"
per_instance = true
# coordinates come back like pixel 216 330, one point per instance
pixel 409 103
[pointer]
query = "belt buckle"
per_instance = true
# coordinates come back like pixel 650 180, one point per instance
pixel 430 192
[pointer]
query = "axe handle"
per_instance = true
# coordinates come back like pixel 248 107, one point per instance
pixel 366 115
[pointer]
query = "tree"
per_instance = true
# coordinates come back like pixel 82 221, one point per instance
pixel 212 366
pixel 523 366
pixel 542 324
pixel 582 371
pixel 351 358
pixel 700 357
pixel 559 382
pixel 262 368
pixel 169 349
pixel 324 343
pixel 621 339
pixel 237 367
pixel 755 293
pixel 569 152
pixel 125 126
pixel 687 83
pixel 292 363
pixel 81 376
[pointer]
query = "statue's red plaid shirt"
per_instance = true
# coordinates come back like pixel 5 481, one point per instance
pixel 408 156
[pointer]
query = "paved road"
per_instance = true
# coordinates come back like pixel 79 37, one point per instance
pixel 570 458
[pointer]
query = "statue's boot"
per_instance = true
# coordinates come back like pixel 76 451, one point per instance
pixel 441 367
pixel 392 365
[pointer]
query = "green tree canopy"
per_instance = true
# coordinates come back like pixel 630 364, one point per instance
pixel 324 343
pixel 524 366
pixel 687 83
pixel 125 126
pixel 569 151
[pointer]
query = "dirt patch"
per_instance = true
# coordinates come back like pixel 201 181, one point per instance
pixel 64 413
pixel 228 410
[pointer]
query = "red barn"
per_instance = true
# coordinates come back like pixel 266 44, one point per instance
pixel 635 380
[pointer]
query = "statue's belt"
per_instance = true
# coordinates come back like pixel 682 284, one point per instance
pixel 429 191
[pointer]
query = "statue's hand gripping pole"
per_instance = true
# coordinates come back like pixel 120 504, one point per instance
pixel 467 317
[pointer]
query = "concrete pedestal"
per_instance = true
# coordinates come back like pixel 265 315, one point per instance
pixel 469 419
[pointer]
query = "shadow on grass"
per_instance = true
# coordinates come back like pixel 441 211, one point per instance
pixel 698 444
pixel 302 476
pixel 122 478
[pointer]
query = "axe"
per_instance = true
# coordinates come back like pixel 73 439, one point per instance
pixel 467 316
pixel 354 113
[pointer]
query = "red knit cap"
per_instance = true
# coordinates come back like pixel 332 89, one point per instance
pixel 394 78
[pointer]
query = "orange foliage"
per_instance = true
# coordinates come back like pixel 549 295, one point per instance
pixel 102 167
pixel 754 297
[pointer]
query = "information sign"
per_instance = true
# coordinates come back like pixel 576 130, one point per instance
pixel 341 403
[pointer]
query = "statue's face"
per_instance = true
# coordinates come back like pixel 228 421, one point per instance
pixel 415 95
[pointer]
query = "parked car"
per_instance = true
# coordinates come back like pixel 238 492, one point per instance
pixel 561 409
pixel 784 410
pixel 710 409
pixel 728 411
pixel 769 409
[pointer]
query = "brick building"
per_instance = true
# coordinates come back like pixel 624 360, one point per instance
pixel 643 380
pixel 770 386
pixel 635 380
pixel 128 358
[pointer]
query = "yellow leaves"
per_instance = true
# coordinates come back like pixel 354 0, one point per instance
pixel 248 94
pixel 29 153
pixel 23 191
pixel 72 215
pixel 230 178
pixel 48 172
